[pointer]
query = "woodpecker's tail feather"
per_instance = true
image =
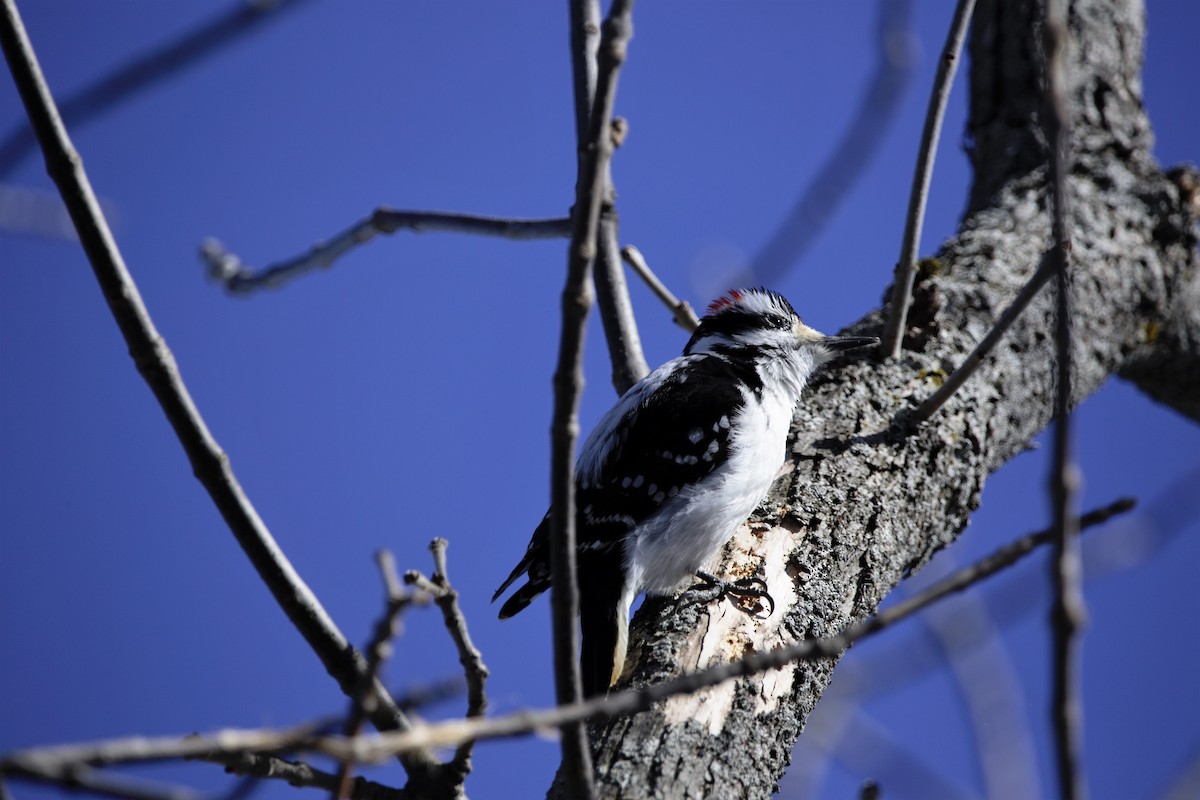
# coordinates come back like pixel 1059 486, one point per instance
pixel 518 571
pixel 522 597
pixel 535 562
pixel 604 622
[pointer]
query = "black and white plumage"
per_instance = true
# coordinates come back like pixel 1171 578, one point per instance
pixel 680 461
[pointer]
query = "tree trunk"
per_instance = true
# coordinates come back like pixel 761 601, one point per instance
pixel 863 506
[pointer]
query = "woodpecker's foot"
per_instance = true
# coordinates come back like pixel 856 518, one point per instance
pixel 713 588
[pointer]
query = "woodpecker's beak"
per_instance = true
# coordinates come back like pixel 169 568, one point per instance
pixel 843 344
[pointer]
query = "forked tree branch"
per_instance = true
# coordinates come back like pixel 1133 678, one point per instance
pixel 387 628
pixel 474 670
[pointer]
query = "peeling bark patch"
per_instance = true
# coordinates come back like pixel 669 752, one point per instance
pixel 730 634
pixel 708 708
pixel 774 686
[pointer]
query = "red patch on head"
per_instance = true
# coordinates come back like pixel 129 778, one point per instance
pixel 734 296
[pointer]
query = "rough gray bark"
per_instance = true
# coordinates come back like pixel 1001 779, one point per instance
pixel 865 506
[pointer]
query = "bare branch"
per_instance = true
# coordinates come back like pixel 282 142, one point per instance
pixel 157 366
pixel 585 42
pixel 153 67
pixel 141 749
pixel 616 309
pixel 906 267
pixel 685 317
pixel 379 649
pixel 475 671
pixel 238 278
pixel 456 732
pixel 568 381
pixel 971 363
pixel 1068 615
pixel 300 774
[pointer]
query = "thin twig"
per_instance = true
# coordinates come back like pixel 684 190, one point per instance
pixel 238 278
pixel 157 366
pixel 165 61
pixel 1068 616
pixel 585 43
pixel 144 750
pixel 864 134
pixel 616 309
pixel 972 362
pixel 474 670
pixel 455 732
pixel 906 267
pixel 301 774
pixel 568 385
pixel 681 310
pixel 378 650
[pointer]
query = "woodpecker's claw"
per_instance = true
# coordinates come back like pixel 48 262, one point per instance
pixel 713 588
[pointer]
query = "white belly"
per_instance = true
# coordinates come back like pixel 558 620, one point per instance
pixel 668 548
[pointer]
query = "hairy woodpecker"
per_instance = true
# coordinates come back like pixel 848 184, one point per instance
pixel 677 465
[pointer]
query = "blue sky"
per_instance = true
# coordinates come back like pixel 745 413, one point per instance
pixel 405 393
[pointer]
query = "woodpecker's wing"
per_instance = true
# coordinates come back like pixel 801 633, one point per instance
pixel 672 435
pixel 667 432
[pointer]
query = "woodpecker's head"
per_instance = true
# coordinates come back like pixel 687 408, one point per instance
pixel 762 326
